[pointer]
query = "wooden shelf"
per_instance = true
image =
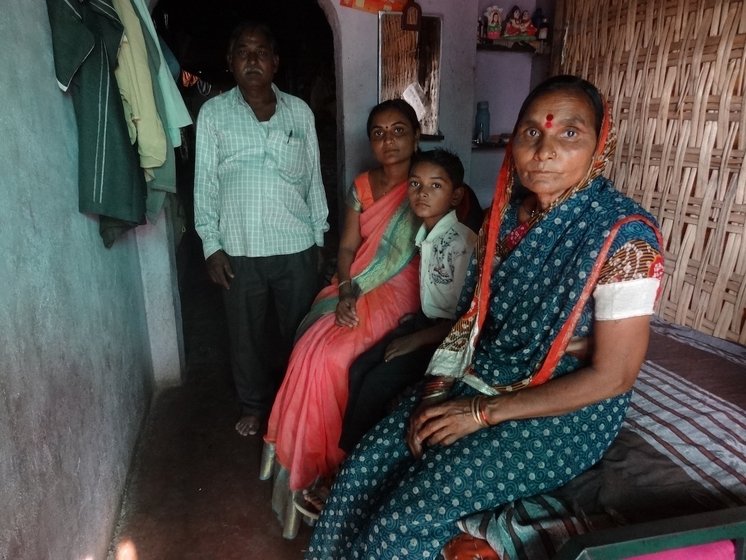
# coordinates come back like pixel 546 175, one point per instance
pixel 504 45
pixel 484 146
pixel 432 137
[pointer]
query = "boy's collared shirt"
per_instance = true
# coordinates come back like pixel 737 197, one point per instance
pixel 445 252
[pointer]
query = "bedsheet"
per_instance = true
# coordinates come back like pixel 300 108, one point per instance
pixel 681 451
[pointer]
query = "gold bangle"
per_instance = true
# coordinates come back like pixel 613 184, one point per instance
pixel 478 412
pixel 483 414
pixel 474 407
pixel 438 385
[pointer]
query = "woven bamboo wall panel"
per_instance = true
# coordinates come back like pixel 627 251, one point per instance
pixel 408 58
pixel 674 72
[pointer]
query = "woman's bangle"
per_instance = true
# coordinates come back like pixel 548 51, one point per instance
pixel 431 397
pixel 436 388
pixel 473 409
pixel 478 412
pixel 342 283
pixel 485 421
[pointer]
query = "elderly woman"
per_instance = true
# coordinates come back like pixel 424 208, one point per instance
pixel 532 384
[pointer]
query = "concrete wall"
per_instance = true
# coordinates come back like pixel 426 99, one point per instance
pixel 503 79
pixel 79 322
pixel 467 76
pixel 356 53
pixel 75 367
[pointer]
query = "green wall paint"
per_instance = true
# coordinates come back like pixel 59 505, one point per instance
pixel 75 366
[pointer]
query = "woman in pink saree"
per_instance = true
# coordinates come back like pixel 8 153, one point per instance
pixel 375 286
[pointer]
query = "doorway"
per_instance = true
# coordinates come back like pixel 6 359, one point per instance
pixel 197 32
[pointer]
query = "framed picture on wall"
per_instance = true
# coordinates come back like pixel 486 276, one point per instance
pixel 409 66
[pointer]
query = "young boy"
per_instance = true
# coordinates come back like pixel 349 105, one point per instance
pixel 446 245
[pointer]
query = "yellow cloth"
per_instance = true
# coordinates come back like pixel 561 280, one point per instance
pixel 136 88
pixel 174 114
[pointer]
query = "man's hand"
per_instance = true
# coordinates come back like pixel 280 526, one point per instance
pixel 219 269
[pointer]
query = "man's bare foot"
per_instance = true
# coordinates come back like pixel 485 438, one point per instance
pixel 248 425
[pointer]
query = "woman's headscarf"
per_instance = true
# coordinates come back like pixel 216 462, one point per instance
pixel 453 357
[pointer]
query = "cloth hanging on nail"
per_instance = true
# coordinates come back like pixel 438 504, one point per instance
pixel 85 41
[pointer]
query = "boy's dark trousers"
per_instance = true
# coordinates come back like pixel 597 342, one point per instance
pixel 374 383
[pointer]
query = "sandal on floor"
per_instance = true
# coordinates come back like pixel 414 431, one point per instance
pixel 312 501
pixel 305 507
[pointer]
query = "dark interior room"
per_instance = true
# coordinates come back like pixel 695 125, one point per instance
pixel 194 492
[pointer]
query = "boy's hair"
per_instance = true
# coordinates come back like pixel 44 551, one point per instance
pixel 449 161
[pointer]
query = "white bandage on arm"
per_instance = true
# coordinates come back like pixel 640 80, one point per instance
pixel 620 300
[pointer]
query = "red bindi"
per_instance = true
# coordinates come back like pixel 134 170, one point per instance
pixel 548 124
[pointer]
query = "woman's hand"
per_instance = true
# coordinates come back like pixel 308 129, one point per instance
pixel 440 424
pixel 346 312
pixel 349 243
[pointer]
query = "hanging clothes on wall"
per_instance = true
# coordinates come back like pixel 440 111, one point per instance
pixel 85 41
pixel 193 80
pixel 171 108
pixel 175 114
pixel 139 63
pixel 173 65
pixel 136 88
pixel 163 180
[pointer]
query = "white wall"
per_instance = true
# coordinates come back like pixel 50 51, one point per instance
pixel 356 53
pixel 81 324
pixel 467 76
pixel 503 79
pixel 76 373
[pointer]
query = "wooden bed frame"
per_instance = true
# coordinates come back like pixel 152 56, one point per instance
pixel 655 536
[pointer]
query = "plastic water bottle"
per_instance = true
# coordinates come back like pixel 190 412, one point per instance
pixel 482 123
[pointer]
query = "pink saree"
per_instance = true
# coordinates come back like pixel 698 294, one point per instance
pixel 306 419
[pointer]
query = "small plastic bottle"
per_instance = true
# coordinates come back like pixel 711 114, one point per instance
pixel 482 123
pixel 543 33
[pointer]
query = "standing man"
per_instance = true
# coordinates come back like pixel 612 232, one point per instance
pixel 260 209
